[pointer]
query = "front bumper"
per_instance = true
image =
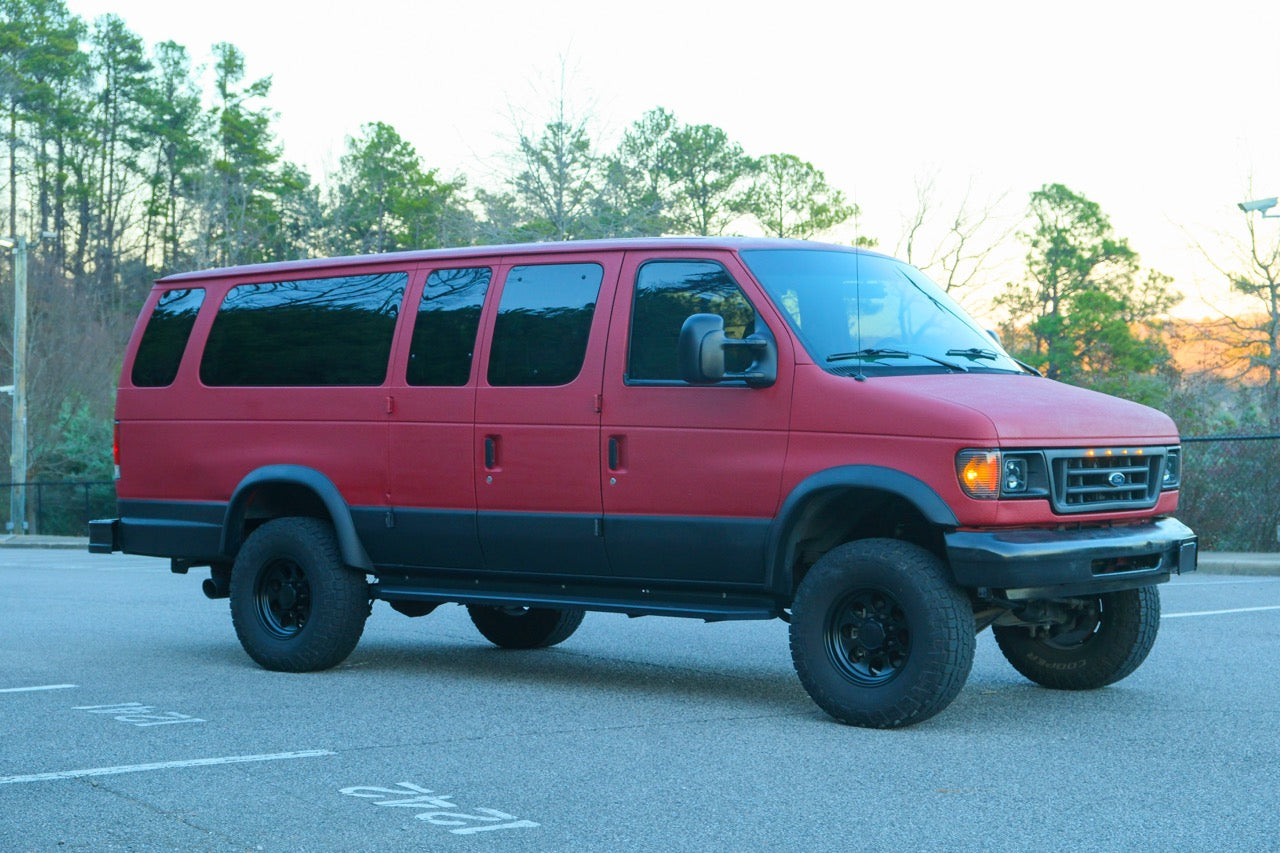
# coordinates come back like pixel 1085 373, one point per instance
pixel 1047 563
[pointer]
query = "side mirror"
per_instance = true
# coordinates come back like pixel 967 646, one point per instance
pixel 701 348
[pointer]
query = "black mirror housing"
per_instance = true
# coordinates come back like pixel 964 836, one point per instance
pixel 700 351
pixel 701 348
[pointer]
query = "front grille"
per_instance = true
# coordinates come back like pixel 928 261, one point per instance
pixel 1099 480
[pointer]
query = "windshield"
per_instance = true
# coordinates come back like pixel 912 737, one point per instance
pixel 856 312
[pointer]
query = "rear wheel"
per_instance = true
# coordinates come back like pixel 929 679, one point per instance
pixel 525 627
pixel 880 636
pixel 1102 639
pixel 295 606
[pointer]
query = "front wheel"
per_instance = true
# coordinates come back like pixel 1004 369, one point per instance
pixel 295 606
pixel 880 636
pixel 525 627
pixel 1104 639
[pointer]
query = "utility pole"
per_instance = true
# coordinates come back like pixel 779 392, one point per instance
pixel 18 451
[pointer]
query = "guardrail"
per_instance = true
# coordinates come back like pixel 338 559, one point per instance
pixel 1230 495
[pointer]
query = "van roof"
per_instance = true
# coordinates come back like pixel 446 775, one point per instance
pixel 550 248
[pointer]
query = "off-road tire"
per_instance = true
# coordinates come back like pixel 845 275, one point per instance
pixel 295 606
pixel 880 635
pixel 1110 640
pixel 525 627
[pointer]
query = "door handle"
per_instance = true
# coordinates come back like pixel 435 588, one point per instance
pixel 615 452
pixel 491 451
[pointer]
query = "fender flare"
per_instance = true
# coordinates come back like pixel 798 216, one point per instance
pixel 353 553
pixel 874 477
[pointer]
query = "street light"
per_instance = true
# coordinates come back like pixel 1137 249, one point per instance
pixel 1265 206
pixel 18 444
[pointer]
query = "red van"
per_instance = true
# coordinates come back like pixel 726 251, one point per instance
pixel 714 428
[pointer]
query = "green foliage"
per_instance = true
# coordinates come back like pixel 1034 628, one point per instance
pixel 558 181
pixel 709 176
pixel 384 200
pixel 82 450
pixel 1084 313
pixel 791 198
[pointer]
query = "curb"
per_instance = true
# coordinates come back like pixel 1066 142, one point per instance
pixel 64 542
pixel 1236 563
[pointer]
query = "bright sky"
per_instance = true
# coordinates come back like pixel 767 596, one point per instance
pixel 1160 112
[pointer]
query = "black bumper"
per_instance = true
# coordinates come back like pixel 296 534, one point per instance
pixel 1044 563
pixel 104 535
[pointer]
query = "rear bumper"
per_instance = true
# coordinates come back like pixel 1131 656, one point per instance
pixel 155 529
pixel 1044 563
pixel 104 535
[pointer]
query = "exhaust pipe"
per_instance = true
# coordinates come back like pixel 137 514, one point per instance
pixel 217 585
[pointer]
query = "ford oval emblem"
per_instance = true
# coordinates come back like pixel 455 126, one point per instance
pixel 1116 479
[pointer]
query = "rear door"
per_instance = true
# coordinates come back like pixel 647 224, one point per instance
pixel 537 433
pixel 691 474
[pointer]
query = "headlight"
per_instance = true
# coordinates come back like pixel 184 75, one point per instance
pixel 1172 476
pixel 989 474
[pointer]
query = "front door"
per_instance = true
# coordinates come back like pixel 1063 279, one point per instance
pixel 692 475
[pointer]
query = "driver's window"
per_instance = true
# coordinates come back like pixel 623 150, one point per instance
pixel 668 292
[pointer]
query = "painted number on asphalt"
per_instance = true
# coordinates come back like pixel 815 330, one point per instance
pixel 436 809
pixel 140 715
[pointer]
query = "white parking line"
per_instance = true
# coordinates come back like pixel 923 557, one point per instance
pixel 1220 612
pixel 161 765
pixel 34 689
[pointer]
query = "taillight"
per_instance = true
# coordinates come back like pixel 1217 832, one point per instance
pixel 115 447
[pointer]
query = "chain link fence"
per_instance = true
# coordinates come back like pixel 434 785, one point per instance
pixel 1231 491
pixel 61 508
pixel 1230 496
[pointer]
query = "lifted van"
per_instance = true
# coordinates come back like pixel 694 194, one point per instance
pixel 712 428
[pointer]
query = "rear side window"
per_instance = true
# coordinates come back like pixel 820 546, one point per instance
pixel 544 321
pixel 444 332
pixel 165 338
pixel 667 293
pixel 328 331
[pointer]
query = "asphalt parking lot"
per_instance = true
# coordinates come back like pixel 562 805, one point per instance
pixel 132 720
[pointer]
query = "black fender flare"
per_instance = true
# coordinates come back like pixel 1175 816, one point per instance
pixel 876 477
pixel 353 553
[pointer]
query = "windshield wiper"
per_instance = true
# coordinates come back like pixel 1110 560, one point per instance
pixel 873 353
pixel 975 353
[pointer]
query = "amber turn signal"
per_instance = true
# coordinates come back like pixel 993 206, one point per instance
pixel 979 473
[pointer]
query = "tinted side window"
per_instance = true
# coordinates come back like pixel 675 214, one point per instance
pixel 544 319
pixel 667 292
pixel 329 331
pixel 165 338
pixel 444 333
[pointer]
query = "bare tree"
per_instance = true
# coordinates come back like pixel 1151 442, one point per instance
pixel 957 246
pixel 1249 339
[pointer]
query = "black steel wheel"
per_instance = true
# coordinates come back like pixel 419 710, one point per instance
pixel 294 604
pixel 282 597
pixel 868 636
pixel 880 635
pixel 1103 639
pixel 525 627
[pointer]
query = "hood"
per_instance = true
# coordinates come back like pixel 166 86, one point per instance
pixel 1030 410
